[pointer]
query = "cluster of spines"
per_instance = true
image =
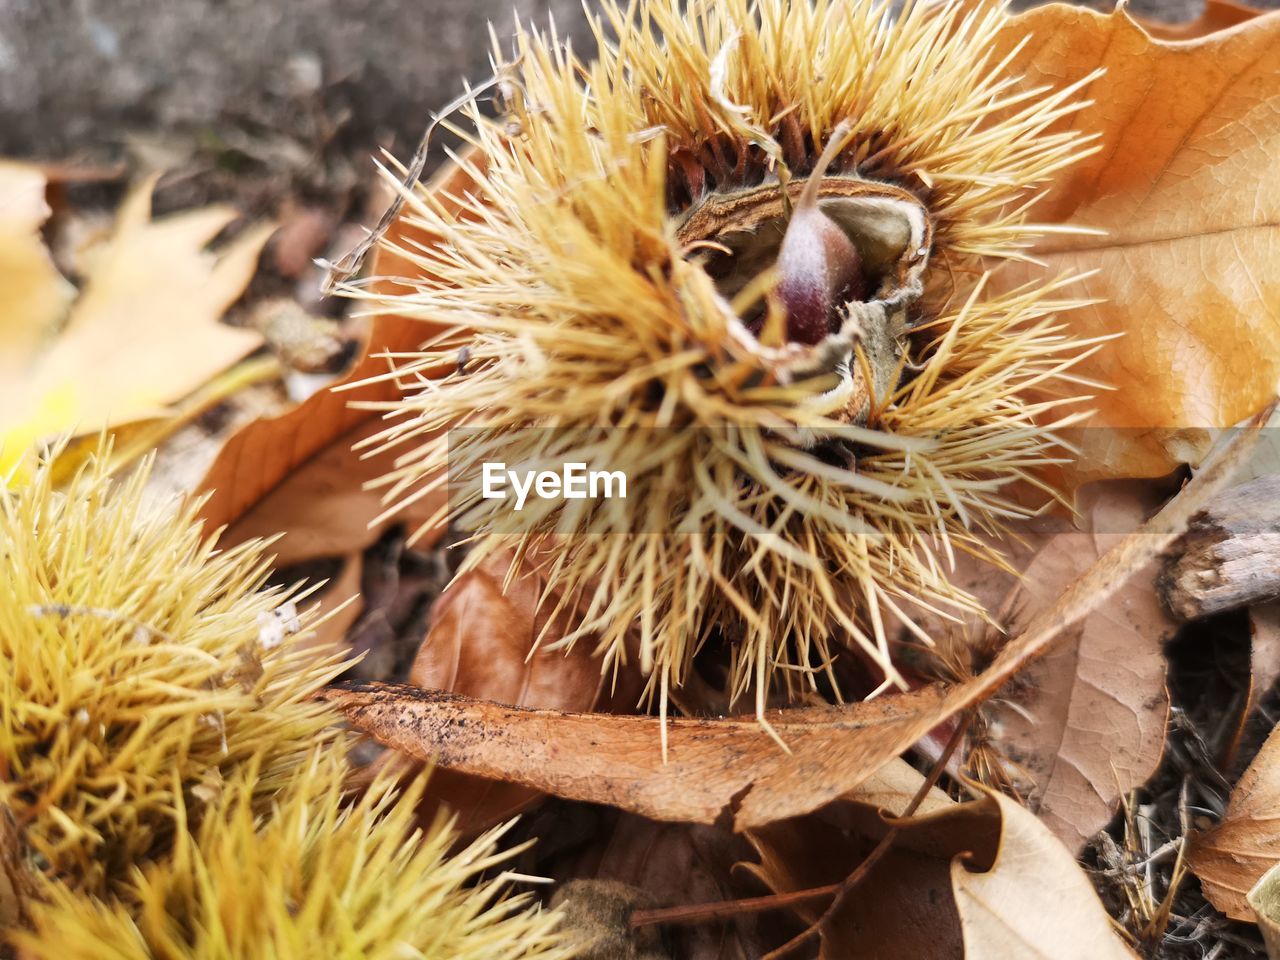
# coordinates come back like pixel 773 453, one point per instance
pixel 581 315
pixel 321 875
pixel 171 786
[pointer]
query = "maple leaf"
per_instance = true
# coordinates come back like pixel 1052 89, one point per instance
pixel 143 333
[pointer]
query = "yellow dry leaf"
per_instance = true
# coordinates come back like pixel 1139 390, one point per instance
pixel 33 295
pixel 144 332
pixel 1035 901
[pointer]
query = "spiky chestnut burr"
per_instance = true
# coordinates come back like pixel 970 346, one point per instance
pixel 792 358
pixel 320 876
pixel 140 667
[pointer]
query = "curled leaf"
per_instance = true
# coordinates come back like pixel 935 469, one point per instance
pixel 1033 901
pixel 903 906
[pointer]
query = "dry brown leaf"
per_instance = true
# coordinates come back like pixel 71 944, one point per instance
pixel 1187 189
pixel 260 456
pixel 1231 857
pixel 718 771
pixel 324 512
pixel 144 331
pixel 323 509
pixel 893 787
pixel 1033 901
pixel 1264 672
pixel 487 642
pixel 33 295
pixel 982 880
pixel 904 906
pixel 491 641
pixel 1264 656
pixel 1087 721
pixel 729 771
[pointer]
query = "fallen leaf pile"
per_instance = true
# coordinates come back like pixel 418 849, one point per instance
pixel 1041 785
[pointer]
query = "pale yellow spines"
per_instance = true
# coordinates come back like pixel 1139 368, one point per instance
pixel 322 875
pixel 139 667
pixel 581 312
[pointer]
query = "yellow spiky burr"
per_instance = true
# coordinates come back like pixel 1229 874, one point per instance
pixel 741 256
pixel 319 875
pixel 140 667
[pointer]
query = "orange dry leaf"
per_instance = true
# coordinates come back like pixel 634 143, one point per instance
pixel 485 642
pixel 1230 858
pixel 144 332
pixel 258 458
pixel 718 771
pixel 324 512
pixel 322 507
pixel 1187 190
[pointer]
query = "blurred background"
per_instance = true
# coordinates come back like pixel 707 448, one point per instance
pixel 248 85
